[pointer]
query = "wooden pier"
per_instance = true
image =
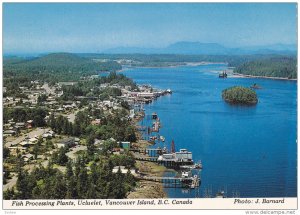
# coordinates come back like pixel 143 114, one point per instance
pixel 174 182
pixel 153 154
pixel 150 152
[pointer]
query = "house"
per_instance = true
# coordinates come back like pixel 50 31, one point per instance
pixel 146 95
pixel 98 142
pixel 117 151
pixel 48 134
pixel 29 124
pixel 14 149
pixel 8 133
pixel 59 109
pixel 70 142
pixel 20 125
pixel 51 132
pixel 108 103
pixel 96 122
pixel 184 155
pixel 7 126
pixel 27 157
pixel 24 143
pixel 131 113
pixel 76 140
pixel 33 141
pixel 124 145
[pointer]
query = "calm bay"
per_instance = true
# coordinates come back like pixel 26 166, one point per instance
pixel 245 151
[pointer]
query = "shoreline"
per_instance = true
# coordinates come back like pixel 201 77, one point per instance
pixel 179 64
pixel 230 75
pixel 239 75
pixel 147 189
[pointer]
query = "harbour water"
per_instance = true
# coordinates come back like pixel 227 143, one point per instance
pixel 245 151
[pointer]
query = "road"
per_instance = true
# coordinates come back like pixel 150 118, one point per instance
pixel 36 132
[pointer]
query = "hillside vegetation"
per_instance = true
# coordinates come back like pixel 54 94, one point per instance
pixel 157 60
pixel 55 67
pixel 284 67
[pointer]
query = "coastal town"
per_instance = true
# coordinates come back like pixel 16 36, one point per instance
pixel 52 139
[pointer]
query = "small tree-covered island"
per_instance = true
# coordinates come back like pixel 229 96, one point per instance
pixel 240 95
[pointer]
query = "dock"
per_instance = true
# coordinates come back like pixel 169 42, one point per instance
pixel 174 160
pixel 174 182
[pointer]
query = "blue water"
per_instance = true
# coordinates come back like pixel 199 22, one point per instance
pixel 248 151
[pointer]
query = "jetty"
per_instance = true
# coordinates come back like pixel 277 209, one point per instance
pixel 174 182
pixel 178 160
pixel 175 160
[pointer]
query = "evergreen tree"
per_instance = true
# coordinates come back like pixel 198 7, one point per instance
pixel 62 158
pixel 23 192
pixel 90 145
pixel 82 183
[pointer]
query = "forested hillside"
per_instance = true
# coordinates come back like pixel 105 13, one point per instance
pixel 55 67
pixel 284 67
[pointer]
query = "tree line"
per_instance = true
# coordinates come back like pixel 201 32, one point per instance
pixel 56 67
pixel 115 125
pixel 24 114
pixel 77 182
pixel 284 67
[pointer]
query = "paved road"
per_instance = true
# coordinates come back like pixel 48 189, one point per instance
pixel 37 132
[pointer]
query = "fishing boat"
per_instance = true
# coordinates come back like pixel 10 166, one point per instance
pixel 153 138
pixel 220 194
pixel 169 91
pixel 255 86
pixel 154 115
pixel 223 74
pixel 186 174
pixel 191 167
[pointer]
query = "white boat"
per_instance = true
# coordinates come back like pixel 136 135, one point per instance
pixel 186 174
pixel 169 91
pixel 162 138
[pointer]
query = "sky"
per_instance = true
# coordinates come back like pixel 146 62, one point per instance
pixel 95 27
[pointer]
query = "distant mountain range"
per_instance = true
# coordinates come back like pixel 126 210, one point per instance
pixel 195 48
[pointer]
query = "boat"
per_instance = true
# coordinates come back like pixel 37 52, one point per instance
pixel 153 138
pixel 164 150
pixel 223 74
pixel 154 115
pixel 186 174
pixel 190 167
pixel 220 194
pixel 162 138
pixel 255 86
pixel 198 165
